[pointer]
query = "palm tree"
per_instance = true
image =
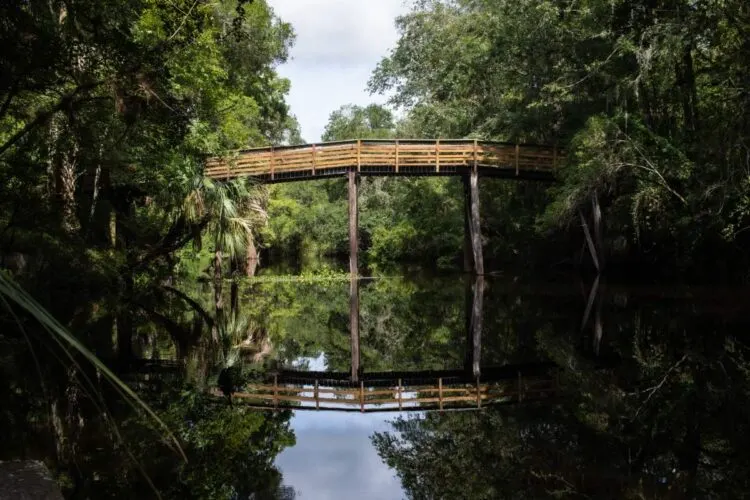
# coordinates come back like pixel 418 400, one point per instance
pixel 230 213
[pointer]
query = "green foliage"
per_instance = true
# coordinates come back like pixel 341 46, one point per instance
pixel 356 122
pixel 635 93
pixel 658 413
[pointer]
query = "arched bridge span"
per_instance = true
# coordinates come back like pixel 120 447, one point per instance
pixel 467 158
pixel 405 157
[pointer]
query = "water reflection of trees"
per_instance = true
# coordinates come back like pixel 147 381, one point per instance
pixel 230 451
pixel 97 446
pixel 665 415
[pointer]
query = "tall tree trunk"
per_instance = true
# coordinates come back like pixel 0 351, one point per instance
pixel 63 170
pixel 252 260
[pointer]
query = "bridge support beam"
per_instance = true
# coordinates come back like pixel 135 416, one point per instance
pixel 468 250
pixel 472 237
pixel 474 328
pixel 353 179
pixel 354 327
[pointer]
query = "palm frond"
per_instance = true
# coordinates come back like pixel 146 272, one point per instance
pixel 13 293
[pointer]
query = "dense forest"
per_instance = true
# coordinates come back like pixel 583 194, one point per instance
pixel 111 239
pixel 649 100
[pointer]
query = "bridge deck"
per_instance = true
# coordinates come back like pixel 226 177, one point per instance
pixel 389 157
pixel 411 394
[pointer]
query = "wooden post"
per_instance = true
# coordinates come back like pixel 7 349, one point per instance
pixel 354 326
pixel 313 159
pixel 477 310
pixel 479 395
pixel 518 152
pixel 317 396
pixel 468 256
pixel 272 164
pixel 353 272
pixel 440 393
pixel 362 396
pixel 353 223
pixel 476 147
pixel 275 391
pixel 400 395
pixel 476 233
pixel 469 350
pixel 359 155
pixel 437 156
pixel 396 155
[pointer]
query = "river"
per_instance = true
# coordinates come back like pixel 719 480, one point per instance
pixel 570 388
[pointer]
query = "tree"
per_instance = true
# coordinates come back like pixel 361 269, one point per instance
pixel 357 122
pixel 624 88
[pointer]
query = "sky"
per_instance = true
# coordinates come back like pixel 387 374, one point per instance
pixel 339 43
pixel 334 457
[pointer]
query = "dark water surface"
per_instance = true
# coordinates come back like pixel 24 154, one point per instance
pixel 645 396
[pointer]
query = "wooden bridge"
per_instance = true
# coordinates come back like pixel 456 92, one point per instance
pixel 468 159
pixel 416 392
pixel 388 157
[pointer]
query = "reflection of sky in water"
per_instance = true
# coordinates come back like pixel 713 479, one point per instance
pixel 334 458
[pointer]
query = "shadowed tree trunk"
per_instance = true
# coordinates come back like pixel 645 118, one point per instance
pixel 253 259
pixel 218 292
pixel 62 171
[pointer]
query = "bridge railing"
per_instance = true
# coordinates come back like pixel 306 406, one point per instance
pixel 401 397
pixel 389 156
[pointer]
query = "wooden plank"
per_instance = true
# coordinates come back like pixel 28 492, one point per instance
pixel 293 399
pixel 446 390
pixel 440 392
pixel 396 154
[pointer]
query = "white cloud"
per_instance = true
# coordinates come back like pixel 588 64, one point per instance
pixel 339 43
pixel 334 458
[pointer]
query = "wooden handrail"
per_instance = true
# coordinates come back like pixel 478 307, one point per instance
pixel 421 397
pixel 381 157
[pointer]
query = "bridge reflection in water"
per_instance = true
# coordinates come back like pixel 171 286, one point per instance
pixel 414 392
pixel 471 388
